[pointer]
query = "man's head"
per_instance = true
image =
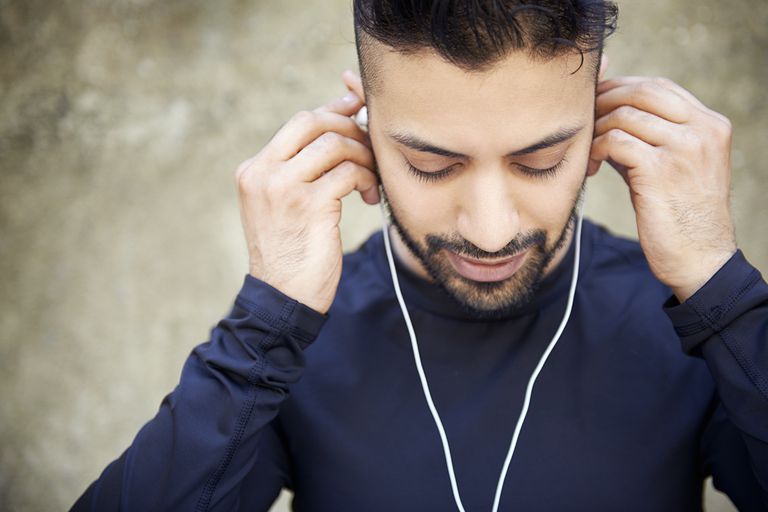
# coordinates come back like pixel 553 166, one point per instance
pixel 478 95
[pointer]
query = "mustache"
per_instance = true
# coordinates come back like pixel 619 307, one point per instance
pixel 459 245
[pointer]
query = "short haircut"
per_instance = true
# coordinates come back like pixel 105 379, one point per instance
pixel 475 34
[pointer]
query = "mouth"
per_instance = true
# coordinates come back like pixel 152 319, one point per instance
pixel 486 270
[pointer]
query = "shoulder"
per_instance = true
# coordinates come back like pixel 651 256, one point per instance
pixel 363 284
pixel 622 302
pixel 335 358
pixel 617 257
pixel 613 251
pixel 618 275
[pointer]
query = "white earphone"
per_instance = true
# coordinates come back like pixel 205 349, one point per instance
pixel 361 118
pixel 531 381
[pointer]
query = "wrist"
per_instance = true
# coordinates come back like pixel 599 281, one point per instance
pixel 699 274
pixel 296 292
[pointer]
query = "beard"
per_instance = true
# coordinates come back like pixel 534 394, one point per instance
pixel 493 299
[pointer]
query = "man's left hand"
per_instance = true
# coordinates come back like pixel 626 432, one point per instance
pixel 674 154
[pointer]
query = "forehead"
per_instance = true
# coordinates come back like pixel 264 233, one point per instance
pixel 516 96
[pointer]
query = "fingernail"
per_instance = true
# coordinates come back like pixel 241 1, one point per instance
pixel 350 97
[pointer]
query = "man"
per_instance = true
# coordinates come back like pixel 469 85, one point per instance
pixel 501 353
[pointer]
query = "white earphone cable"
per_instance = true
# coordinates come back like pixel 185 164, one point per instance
pixel 531 381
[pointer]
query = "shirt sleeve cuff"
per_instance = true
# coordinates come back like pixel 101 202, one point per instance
pixel 279 310
pixel 714 305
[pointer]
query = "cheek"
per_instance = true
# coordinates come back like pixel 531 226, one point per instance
pixel 546 204
pixel 421 209
pixel 418 208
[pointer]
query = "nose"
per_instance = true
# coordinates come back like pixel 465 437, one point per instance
pixel 488 216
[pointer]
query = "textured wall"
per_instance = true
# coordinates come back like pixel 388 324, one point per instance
pixel 121 123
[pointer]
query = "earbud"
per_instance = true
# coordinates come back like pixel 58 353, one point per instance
pixel 361 118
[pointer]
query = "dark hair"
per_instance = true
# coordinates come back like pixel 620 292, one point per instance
pixel 474 34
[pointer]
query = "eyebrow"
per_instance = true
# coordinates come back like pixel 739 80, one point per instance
pixel 550 140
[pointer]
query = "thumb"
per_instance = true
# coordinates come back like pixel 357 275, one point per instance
pixel 593 167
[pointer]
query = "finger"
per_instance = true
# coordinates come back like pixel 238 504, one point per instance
pixel 620 148
pixel 305 126
pixel 325 152
pixel 621 170
pixel 347 105
pixel 647 127
pixel 346 177
pixel 662 81
pixel 647 96
pixel 603 66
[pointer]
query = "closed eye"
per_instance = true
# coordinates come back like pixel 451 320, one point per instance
pixel 547 172
pixel 431 176
pixel 427 176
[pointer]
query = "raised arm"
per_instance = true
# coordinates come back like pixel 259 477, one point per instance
pixel 726 323
pixel 195 453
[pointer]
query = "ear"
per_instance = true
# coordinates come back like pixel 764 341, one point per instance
pixel 594 165
pixel 353 83
pixel 603 66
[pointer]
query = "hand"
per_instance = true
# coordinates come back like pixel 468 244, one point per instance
pixel 290 200
pixel 674 154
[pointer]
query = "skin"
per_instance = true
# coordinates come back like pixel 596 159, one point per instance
pixel 488 208
pixel 290 200
pixel 671 150
pixel 674 155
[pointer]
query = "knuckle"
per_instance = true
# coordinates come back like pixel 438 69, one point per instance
pixel 344 172
pixel 626 113
pixel 303 117
pixel 646 89
pixel 330 141
pixel 243 175
pixel 347 168
pixel 240 170
pixel 614 136
pixel 723 126
pixel 662 81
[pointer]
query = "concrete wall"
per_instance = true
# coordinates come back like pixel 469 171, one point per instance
pixel 120 246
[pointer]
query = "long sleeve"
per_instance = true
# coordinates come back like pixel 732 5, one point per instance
pixel 196 452
pixel 726 323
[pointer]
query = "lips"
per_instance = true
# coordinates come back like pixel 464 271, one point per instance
pixel 477 271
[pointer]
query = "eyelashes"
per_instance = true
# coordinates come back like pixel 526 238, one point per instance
pixel 429 176
pixel 547 172
pixel 533 172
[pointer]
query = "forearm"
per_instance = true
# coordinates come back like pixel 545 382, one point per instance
pixel 726 323
pixel 193 454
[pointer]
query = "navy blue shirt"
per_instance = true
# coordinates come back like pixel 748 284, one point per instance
pixel 641 399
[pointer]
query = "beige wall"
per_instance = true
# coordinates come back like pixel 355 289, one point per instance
pixel 120 126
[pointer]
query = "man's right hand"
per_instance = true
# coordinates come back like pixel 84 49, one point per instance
pixel 290 200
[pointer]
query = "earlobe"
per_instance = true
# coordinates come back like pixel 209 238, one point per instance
pixel 353 82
